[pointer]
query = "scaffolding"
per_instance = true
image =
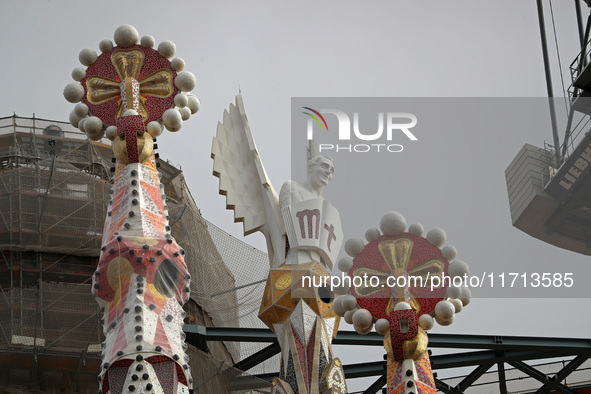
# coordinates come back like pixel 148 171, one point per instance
pixel 54 191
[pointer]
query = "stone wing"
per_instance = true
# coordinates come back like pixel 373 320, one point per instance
pixel 243 179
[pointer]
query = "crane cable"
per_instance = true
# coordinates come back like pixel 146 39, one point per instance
pixel 566 106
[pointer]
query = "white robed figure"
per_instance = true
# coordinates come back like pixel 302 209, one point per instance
pixel 304 236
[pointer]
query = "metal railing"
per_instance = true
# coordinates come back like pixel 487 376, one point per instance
pixel 34 125
pixel 581 61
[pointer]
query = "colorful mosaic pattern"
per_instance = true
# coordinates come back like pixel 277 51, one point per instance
pixel 400 255
pixel 141 283
pixel 397 338
pixel 285 286
pixel 129 376
pixel 153 73
pixel 333 378
pixel 304 323
pixel 411 376
pixel 129 126
pixel 404 255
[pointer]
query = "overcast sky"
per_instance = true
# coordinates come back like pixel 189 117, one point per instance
pixel 276 50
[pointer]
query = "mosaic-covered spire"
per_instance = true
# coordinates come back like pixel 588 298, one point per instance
pixel 130 93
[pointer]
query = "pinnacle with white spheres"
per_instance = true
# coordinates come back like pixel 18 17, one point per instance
pixel 100 91
pixel 130 93
pixel 383 295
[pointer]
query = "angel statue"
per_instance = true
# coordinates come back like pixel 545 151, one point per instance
pixel 304 236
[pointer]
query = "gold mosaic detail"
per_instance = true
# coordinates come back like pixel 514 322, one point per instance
pixel 283 282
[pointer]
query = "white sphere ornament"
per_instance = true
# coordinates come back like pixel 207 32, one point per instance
pixel 130 112
pixel 171 118
pixel 458 268
pixel 81 124
pixel 363 331
pixel 342 289
pixel 154 128
pixel 185 113
pixel 176 128
pixel 81 110
pixel 382 326
pixel 449 252
pixel 366 331
pixel 97 136
pixel 78 74
pixel 444 310
pixel 126 36
pixel 436 237
pixel 362 318
pixel 167 49
pixel 337 307
pixel 345 264
pixel 111 132
pixel 444 322
pixel 354 246
pixel 402 306
pixel 177 64
pixel 181 100
pixel 416 229
pixel 87 56
pixel 453 292
pixel 457 304
pixel 466 296
pixel 74 119
pixel 73 92
pixel 426 322
pixel 194 104
pixel 106 46
pixel 93 126
pixel 372 234
pixel 349 302
pixel 392 223
pixel 185 81
pixel 349 317
pixel 148 41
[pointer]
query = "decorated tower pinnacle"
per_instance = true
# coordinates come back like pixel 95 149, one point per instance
pixel 129 94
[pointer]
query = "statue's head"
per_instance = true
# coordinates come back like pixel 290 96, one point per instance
pixel 321 169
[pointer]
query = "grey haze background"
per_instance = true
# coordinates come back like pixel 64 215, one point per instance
pixel 276 50
pixel 449 177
